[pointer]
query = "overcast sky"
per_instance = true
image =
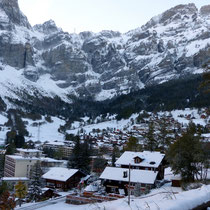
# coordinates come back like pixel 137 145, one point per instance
pixel 97 15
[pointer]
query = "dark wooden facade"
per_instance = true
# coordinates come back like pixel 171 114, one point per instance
pixel 114 186
pixel 50 193
pixel 72 182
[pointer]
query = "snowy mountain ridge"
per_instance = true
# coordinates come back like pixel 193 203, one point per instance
pixel 46 60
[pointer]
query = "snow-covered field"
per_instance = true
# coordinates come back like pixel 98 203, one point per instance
pixel 193 112
pixel 45 132
pixel 127 123
pixel 165 198
pixel 103 125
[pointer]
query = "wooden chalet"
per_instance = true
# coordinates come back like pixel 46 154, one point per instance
pixel 116 180
pixel 145 169
pixel 146 160
pixel 63 178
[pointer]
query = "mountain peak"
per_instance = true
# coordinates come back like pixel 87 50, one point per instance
pixel 105 64
pixel 205 10
pixel 174 14
pixel 12 10
pixel 47 27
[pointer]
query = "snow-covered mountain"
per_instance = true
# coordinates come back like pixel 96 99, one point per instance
pixel 46 61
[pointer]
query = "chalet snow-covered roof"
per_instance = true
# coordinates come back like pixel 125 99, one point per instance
pixel 137 176
pixel 60 174
pixel 149 159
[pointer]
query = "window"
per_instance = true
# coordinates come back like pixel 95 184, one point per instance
pixel 137 159
pixel 50 184
pixel 125 174
pixel 59 185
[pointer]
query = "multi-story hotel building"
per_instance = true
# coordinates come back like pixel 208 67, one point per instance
pixel 18 166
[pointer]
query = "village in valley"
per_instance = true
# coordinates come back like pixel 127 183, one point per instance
pixel 109 109
pixel 104 160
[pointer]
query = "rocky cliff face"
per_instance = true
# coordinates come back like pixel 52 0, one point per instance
pixel 171 45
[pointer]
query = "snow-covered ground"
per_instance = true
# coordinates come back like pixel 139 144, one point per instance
pixel 192 112
pixel 103 125
pixel 46 131
pixel 114 124
pixel 12 83
pixel 164 198
pixel 4 130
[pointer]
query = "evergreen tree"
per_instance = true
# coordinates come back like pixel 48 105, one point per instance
pixel 74 159
pixel 2 160
pixel 19 141
pixel 99 164
pixel 114 156
pixel 151 143
pixel 133 144
pixel 3 188
pixel 80 157
pixel 205 85
pixel 35 191
pixel 186 154
pixel 49 152
pixel 10 150
pixel 164 135
pixel 86 152
pixel 58 154
pixel 10 136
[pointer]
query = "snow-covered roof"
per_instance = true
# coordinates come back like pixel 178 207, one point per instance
pixel 15 179
pixel 149 159
pixel 28 150
pixel 50 160
pixel 59 174
pixel 56 143
pixel 137 176
pixel 42 159
pixel 19 157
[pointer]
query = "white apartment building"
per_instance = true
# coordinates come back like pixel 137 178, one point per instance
pixel 18 166
pixel 66 150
